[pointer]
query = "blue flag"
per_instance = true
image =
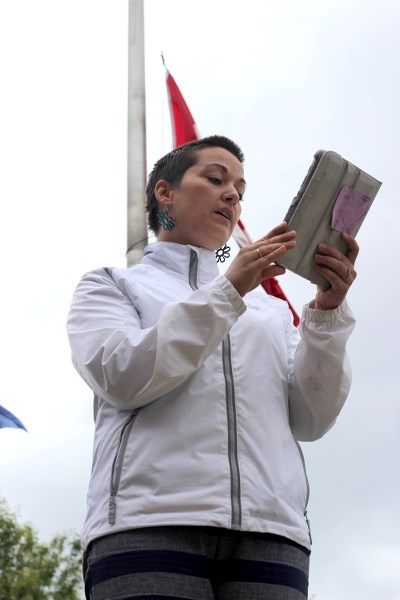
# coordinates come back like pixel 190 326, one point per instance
pixel 7 419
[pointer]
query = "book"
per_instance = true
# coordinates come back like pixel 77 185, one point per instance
pixel 334 197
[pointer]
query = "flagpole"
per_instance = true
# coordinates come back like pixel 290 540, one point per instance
pixel 137 233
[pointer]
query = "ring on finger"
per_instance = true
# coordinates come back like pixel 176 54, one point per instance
pixel 346 274
pixel 259 253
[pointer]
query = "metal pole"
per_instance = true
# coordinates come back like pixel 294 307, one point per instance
pixel 137 170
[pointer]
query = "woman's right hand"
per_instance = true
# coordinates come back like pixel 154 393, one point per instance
pixel 256 262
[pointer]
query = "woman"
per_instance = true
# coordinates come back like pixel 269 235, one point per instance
pixel 202 389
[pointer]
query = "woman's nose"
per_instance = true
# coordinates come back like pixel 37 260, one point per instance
pixel 231 195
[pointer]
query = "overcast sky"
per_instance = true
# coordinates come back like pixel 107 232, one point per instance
pixel 283 79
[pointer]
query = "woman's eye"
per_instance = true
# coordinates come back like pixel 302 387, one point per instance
pixel 215 180
pixel 240 196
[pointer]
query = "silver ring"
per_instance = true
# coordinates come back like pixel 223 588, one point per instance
pixel 346 274
pixel 259 253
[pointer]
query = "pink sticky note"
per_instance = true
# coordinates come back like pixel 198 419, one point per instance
pixel 350 206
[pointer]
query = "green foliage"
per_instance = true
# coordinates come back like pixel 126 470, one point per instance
pixel 30 570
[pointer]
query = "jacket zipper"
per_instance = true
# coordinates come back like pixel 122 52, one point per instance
pixel 308 489
pixel 193 266
pixel 116 468
pixel 236 505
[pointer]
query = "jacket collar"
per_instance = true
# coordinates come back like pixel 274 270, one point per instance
pixel 176 258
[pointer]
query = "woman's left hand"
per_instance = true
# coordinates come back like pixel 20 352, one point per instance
pixel 338 269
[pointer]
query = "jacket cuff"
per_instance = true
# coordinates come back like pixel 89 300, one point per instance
pixel 326 316
pixel 232 294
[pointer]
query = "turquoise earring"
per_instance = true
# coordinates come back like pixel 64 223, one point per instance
pixel 165 220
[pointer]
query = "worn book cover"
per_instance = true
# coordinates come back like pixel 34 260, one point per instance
pixel 334 197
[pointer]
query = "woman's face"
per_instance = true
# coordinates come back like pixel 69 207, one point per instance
pixel 205 206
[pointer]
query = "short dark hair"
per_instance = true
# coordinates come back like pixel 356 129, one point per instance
pixel 174 165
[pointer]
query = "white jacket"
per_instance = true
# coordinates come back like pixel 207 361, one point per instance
pixel 201 396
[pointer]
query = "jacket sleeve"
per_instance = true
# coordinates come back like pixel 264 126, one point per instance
pixel 129 366
pixel 320 371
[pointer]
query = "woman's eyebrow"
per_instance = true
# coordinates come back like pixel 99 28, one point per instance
pixel 225 170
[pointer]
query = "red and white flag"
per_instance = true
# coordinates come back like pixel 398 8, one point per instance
pixel 183 126
pixel 184 131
